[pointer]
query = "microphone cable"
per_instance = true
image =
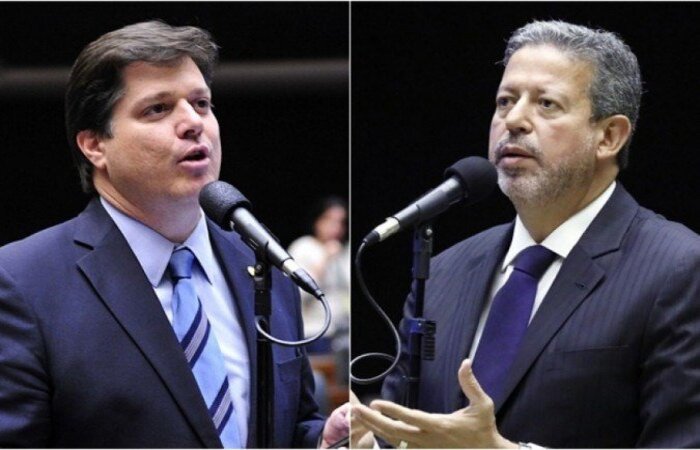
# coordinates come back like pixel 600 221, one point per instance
pixel 220 201
pixel 374 355
pixel 471 178
pixel 326 324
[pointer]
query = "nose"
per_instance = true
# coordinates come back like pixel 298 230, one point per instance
pixel 517 119
pixel 190 123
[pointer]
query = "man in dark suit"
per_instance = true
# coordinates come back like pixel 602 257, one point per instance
pixel 92 310
pixel 576 325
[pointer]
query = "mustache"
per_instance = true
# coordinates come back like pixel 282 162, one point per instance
pixel 499 151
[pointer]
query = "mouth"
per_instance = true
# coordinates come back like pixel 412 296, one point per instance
pixel 196 154
pixel 512 153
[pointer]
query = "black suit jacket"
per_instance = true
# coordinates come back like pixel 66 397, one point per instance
pixel 612 356
pixel 89 359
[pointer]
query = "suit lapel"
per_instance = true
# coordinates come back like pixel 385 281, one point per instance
pixel 115 274
pixel 577 279
pixel 234 264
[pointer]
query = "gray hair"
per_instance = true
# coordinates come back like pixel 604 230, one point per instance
pixel 616 87
pixel 95 83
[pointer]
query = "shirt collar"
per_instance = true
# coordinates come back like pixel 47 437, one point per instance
pixel 563 239
pixel 200 245
pixel 153 250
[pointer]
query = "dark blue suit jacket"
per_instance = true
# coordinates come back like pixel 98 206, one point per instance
pixel 89 359
pixel 612 357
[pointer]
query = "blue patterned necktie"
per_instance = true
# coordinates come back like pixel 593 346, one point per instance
pixel 508 319
pixel 201 349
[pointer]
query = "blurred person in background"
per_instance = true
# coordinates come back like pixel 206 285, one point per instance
pixel 324 253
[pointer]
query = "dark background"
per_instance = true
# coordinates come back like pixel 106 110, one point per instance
pixel 282 148
pixel 424 78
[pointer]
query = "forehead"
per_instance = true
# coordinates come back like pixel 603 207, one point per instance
pixel 144 78
pixel 545 67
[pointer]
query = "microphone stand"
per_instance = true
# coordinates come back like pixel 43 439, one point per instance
pixel 421 338
pixel 265 387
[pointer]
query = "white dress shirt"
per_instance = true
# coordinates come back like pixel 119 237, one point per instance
pixel 153 252
pixel 560 241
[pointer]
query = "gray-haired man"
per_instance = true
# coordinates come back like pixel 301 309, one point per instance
pixel 577 324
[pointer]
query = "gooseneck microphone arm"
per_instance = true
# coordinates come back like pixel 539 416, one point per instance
pixel 229 209
pixel 257 236
pixel 425 208
pixel 471 178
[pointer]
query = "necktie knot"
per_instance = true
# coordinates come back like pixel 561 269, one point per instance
pixel 534 260
pixel 180 264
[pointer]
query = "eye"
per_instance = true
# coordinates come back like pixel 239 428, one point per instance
pixel 548 104
pixel 203 105
pixel 155 109
pixel 503 101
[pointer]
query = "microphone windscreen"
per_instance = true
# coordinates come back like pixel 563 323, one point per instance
pixel 477 176
pixel 218 199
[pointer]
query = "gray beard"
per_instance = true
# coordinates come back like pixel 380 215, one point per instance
pixel 546 185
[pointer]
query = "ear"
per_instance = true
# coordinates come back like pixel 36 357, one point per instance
pixel 615 131
pixel 91 144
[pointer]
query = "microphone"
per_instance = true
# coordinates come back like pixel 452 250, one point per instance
pixel 471 178
pixel 228 208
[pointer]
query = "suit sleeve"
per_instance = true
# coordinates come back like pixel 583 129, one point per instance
pixel 24 385
pixel 670 370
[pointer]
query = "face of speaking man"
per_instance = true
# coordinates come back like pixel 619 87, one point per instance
pixel 165 143
pixel 542 140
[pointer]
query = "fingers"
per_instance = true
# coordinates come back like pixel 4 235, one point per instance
pixel 471 387
pixel 415 417
pixel 385 427
pixel 337 425
pixel 344 411
pixel 360 436
pixel 357 428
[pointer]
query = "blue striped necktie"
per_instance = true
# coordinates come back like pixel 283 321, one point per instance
pixel 509 318
pixel 201 349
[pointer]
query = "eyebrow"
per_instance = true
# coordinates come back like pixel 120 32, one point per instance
pixel 163 95
pixel 540 91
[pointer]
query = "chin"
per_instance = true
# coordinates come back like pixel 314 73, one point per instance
pixel 188 193
pixel 202 181
pixel 522 189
